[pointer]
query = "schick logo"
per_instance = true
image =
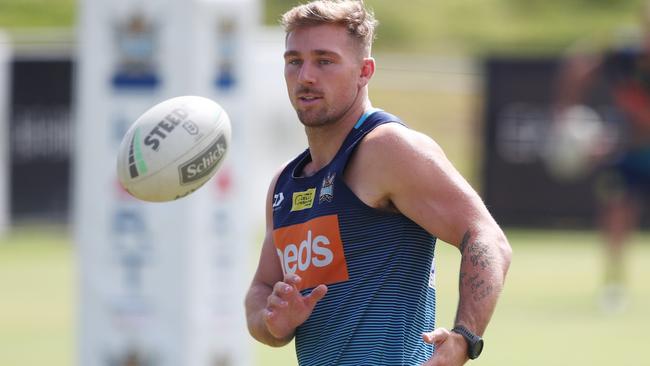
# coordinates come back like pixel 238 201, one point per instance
pixel 204 163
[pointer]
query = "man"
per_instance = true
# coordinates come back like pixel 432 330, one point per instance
pixel 623 178
pixel 347 261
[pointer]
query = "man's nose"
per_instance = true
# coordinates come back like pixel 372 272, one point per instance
pixel 306 74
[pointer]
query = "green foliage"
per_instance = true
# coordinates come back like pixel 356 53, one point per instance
pixel 37 13
pixel 424 26
pixel 488 26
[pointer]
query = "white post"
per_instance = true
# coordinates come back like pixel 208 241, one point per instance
pixel 162 283
pixel 5 58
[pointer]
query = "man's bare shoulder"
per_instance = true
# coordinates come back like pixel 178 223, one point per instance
pixel 389 157
pixel 396 143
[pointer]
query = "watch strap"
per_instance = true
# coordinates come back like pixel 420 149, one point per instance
pixel 474 342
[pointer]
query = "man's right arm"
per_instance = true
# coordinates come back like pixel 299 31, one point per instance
pixel 274 305
pixel 257 308
pixel 269 272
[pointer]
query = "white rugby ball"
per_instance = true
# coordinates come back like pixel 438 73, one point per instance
pixel 173 148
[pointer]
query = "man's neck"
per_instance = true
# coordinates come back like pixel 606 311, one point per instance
pixel 325 141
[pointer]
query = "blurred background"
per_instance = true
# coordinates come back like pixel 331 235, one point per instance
pixel 491 81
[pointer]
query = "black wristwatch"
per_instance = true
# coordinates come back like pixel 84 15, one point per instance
pixel 474 342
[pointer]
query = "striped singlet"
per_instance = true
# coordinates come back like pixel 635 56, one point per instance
pixel 378 266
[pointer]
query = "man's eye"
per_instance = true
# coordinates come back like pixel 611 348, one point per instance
pixel 324 62
pixel 293 62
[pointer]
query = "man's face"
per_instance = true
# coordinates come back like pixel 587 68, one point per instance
pixel 322 71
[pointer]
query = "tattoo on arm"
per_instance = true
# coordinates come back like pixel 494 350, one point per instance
pixel 463 243
pixel 475 255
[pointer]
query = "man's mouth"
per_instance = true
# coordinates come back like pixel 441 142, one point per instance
pixel 308 98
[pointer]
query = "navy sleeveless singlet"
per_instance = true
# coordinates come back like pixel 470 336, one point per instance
pixel 378 266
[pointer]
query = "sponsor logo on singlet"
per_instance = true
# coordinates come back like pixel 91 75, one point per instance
pixel 313 250
pixel 303 200
pixel 327 189
pixel 278 198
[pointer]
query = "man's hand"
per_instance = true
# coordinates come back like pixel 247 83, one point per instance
pixel 286 308
pixel 451 348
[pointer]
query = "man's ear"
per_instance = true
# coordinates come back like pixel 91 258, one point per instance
pixel 367 71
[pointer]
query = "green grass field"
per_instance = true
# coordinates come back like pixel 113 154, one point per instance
pixel 548 314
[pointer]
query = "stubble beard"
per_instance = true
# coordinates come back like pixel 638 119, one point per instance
pixel 322 116
pixel 317 118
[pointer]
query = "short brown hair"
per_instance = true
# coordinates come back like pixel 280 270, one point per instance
pixel 359 21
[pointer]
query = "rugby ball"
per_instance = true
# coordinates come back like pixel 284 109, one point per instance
pixel 173 148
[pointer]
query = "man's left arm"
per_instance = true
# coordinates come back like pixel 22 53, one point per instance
pixel 423 185
pixel 485 258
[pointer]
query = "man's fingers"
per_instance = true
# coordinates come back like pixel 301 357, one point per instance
pixel 316 295
pixel 282 288
pixel 267 315
pixel 292 279
pixel 287 292
pixel 440 335
pixel 276 302
pixel 437 337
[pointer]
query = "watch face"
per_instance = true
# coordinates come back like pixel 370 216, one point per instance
pixel 474 342
pixel 476 349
